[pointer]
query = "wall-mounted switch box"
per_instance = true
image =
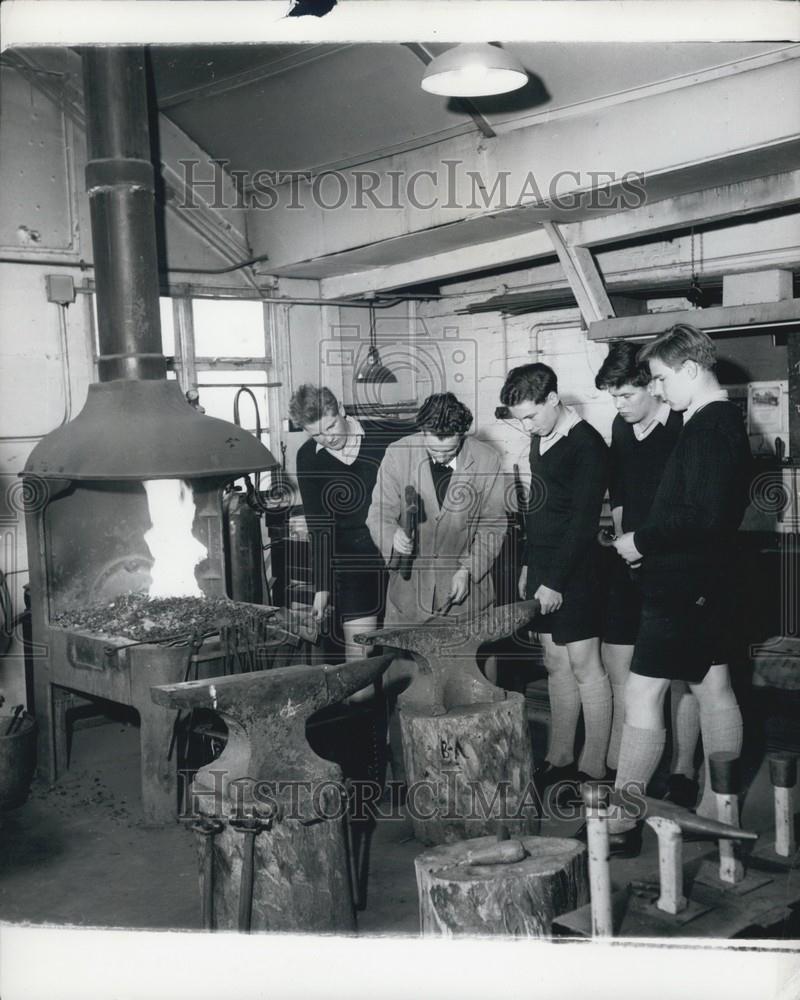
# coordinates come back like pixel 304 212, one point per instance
pixel 60 288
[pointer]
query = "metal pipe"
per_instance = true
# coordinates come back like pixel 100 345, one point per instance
pixel 120 185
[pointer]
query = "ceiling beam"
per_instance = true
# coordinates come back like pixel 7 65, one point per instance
pixel 439 266
pixel 755 317
pixel 698 208
pixel 582 275
pixel 247 77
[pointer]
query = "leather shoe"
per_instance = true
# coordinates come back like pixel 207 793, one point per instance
pixel 682 791
pixel 626 844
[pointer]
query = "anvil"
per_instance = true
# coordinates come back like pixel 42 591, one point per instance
pixel 445 650
pixel 266 713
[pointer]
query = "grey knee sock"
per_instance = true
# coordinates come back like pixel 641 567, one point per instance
pixel 639 754
pixel 685 712
pixel 618 718
pixel 722 730
pixel 565 708
pixel 597 708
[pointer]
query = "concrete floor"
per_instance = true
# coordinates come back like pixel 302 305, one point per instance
pixel 77 853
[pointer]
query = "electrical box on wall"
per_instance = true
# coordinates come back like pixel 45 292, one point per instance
pixel 765 407
pixel 60 288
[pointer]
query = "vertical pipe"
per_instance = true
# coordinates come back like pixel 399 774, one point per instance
pixel 120 185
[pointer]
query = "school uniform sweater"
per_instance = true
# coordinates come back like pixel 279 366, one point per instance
pixel 568 484
pixel 689 534
pixel 637 466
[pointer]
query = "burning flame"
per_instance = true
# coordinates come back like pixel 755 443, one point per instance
pixel 174 549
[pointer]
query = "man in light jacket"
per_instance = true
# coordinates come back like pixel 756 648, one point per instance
pixel 461 519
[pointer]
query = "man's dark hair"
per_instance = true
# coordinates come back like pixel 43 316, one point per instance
pixel 444 415
pixel 681 343
pixel 532 382
pixel 309 403
pixel 622 367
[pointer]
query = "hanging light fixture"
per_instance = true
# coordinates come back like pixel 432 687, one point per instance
pixel 373 371
pixel 474 71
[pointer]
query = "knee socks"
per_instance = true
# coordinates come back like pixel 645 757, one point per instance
pixel 596 702
pixel 639 754
pixel 565 708
pixel 618 719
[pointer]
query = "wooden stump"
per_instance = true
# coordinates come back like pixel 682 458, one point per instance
pixel 520 899
pixel 301 879
pixel 469 770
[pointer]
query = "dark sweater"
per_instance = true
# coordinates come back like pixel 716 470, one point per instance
pixel 567 488
pixel 688 537
pixel 637 467
pixel 336 500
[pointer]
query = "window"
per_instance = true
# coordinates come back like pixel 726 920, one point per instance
pixel 218 345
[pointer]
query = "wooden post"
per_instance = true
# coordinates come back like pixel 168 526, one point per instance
pixel 670 864
pixel 510 887
pixel 723 770
pixel 595 799
pixel 783 775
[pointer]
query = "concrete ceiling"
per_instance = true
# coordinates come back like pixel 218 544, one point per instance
pixel 307 107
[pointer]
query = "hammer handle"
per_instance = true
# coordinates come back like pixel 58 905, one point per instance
pixel 246 885
pixel 785 841
pixel 403 563
pixel 731 869
pixel 597 840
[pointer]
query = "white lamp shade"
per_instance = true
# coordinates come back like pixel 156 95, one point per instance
pixel 474 71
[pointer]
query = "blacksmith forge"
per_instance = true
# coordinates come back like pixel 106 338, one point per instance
pixel 87 509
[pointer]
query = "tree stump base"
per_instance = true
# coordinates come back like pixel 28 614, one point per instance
pixel 518 900
pixel 469 770
pixel 301 879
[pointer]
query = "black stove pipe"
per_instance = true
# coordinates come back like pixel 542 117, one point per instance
pixel 120 184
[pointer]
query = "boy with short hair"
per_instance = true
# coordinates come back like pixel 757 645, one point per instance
pixel 643 435
pixel 569 468
pixel 685 546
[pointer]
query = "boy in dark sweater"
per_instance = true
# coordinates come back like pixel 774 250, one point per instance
pixel 643 435
pixel 685 546
pixel 569 468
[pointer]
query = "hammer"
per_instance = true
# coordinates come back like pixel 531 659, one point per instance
pixel 670 864
pixel 250 826
pixel 783 775
pixel 724 772
pixel 596 799
pixel 207 828
pixel 399 562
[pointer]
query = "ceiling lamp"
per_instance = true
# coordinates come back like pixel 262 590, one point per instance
pixel 474 71
pixel 373 371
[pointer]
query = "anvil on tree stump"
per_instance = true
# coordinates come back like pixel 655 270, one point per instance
pixel 466 744
pixel 289 872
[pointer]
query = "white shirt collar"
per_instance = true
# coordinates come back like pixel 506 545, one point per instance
pixel 352 446
pixel 661 416
pixel 564 425
pixel 712 396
